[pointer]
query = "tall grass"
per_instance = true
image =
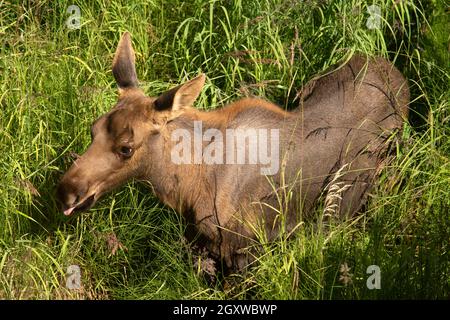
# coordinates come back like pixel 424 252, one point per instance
pixel 55 81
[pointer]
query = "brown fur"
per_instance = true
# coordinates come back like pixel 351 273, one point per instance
pixel 344 120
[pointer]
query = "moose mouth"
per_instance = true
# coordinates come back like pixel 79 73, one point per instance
pixel 82 206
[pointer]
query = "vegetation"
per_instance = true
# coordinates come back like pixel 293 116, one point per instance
pixel 54 81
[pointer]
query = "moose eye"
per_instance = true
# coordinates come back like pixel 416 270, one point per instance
pixel 125 151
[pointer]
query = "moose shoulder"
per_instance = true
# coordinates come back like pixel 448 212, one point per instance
pixel 233 170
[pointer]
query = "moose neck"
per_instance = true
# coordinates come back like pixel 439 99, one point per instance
pixel 180 186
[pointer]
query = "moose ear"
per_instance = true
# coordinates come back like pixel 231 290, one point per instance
pixel 123 64
pixel 181 96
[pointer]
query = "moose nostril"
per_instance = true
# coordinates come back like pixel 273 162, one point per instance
pixel 81 193
pixel 71 191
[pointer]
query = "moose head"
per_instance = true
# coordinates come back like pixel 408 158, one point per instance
pixel 127 139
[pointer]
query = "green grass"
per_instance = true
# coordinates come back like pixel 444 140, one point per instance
pixel 54 82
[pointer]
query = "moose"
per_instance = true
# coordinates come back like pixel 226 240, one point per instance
pixel 340 132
